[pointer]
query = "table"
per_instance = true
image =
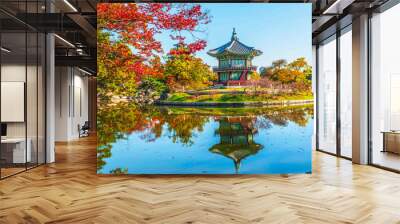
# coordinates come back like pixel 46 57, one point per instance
pixel 16 147
pixel 391 141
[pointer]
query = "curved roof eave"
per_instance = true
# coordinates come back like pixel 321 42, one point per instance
pixel 234 47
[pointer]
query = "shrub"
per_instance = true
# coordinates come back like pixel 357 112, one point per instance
pixel 149 90
pixel 154 85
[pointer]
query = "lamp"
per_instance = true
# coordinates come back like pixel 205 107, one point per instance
pixel 5 50
pixel 64 40
pixel 84 71
pixel 70 5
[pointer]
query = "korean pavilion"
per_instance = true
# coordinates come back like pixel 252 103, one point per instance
pixel 234 61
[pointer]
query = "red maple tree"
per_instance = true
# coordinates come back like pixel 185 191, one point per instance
pixel 132 29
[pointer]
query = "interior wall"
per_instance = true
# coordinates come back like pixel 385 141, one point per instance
pixel 92 102
pixel 71 102
pixel 62 85
pixel 16 73
pixel 33 126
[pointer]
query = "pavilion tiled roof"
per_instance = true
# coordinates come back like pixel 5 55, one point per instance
pixel 234 47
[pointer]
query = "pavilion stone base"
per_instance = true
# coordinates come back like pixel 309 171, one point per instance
pixel 234 83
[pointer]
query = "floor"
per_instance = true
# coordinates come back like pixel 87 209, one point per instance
pixel 69 191
pixel 10 171
pixel 5 172
pixel 387 159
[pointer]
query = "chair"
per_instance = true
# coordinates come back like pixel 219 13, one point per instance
pixel 84 130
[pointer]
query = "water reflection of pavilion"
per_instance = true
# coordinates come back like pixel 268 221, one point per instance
pixel 236 139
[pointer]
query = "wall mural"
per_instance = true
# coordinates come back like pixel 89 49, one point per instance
pixel 204 88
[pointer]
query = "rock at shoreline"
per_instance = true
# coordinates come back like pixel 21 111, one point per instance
pixel 146 97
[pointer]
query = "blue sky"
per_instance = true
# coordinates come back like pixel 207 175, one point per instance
pixel 281 31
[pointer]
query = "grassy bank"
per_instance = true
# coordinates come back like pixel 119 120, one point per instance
pixel 221 97
pixel 237 111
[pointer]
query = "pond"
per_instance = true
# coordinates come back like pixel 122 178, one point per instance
pixel 173 140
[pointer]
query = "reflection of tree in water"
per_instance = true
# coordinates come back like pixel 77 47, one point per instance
pixel 118 121
pixel 119 171
pixel 282 117
pixel 183 126
pixel 112 124
pixel 180 124
pixel 236 139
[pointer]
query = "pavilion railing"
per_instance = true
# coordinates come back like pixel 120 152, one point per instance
pixel 233 68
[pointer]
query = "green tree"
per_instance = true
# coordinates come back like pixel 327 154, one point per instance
pixel 113 77
pixel 298 64
pixel 128 48
pixel 302 70
pixel 188 72
pixel 150 89
pixel 297 72
pixel 266 71
pixel 279 64
pixel 278 71
pixel 255 78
